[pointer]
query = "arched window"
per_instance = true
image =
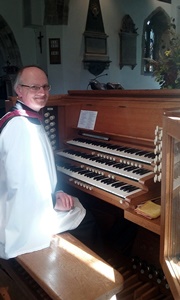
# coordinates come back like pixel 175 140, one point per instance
pixel 155 27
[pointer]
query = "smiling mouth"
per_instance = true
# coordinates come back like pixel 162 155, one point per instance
pixel 41 98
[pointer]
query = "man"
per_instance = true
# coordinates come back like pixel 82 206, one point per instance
pixel 28 176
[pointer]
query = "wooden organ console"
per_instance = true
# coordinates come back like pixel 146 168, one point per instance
pixel 119 160
pixel 108 144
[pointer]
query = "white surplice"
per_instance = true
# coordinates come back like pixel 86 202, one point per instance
pixel 27 181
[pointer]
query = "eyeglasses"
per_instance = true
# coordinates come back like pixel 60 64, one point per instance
pixel 36 88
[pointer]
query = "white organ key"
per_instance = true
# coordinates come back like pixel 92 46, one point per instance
pixel 160 146
pixel 161 134
pixel 159 177
pixel 159 169
pixel 156 130
pixel 156 150
pixel 155 169
pixel 160 156
pixel 155 140
pixel 155 178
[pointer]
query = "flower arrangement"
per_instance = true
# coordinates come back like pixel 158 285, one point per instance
pixel 167 69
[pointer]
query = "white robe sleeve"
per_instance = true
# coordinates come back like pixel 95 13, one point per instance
pixel 71 219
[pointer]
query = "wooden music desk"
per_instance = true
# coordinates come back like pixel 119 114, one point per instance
pixel 68 270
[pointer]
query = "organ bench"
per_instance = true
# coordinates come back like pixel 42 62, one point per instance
pixel 66 270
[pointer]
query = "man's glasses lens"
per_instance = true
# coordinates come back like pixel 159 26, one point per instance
pixel 46 87
pixel 36 88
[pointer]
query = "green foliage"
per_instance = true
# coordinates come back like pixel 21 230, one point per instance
pixel 167 67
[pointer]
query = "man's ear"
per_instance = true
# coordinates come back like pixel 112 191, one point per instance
pixel 18 91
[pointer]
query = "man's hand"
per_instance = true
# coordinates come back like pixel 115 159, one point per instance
pixel 64 202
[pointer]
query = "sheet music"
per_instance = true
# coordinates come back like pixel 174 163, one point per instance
pixel 87 119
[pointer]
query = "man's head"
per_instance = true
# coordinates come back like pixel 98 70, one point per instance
pixel 32 87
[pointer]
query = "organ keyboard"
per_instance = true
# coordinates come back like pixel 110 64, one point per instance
pixel 119 150
pixel 121 171
pixel 122 167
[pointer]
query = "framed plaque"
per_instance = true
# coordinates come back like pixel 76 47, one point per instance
pixel 54 51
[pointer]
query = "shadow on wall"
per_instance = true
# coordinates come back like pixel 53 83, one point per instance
pixel 10 59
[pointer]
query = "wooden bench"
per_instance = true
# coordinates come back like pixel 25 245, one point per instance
pixel 68 270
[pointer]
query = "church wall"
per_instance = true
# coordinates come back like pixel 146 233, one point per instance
pixel 70 74
pixel 11 11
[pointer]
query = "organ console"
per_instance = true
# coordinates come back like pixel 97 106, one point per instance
pixel 119 160
pixel 108 144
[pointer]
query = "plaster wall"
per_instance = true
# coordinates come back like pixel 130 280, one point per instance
pixel 70 74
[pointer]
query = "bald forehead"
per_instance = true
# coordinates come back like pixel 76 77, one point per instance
pixel 33 73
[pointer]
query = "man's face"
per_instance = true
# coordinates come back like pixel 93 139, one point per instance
pixel 28 91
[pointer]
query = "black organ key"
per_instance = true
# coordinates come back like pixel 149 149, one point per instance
pixel 142 152
pixel 122 148
pixel 141 171
pixel 100 159
pixel 146 154
pixel 132 188
pixel 113 147
pixel 136 151
pixel 128 188
pixel 130 168
pixel 99 178
pixel 124 187
pixel 91 174
pixel 70 167
pixel 108 180
pixel 118 184
pixel 150 155
pixel 120 165
pixel 75 168
pixel 116 147
pixel 94 158
pixel 110 162
pixel 86 155
pixel 83 172
pixel 132 150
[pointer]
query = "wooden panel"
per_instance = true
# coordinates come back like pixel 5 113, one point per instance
pixel 132 113
pixel 169 251
pixel 152 225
